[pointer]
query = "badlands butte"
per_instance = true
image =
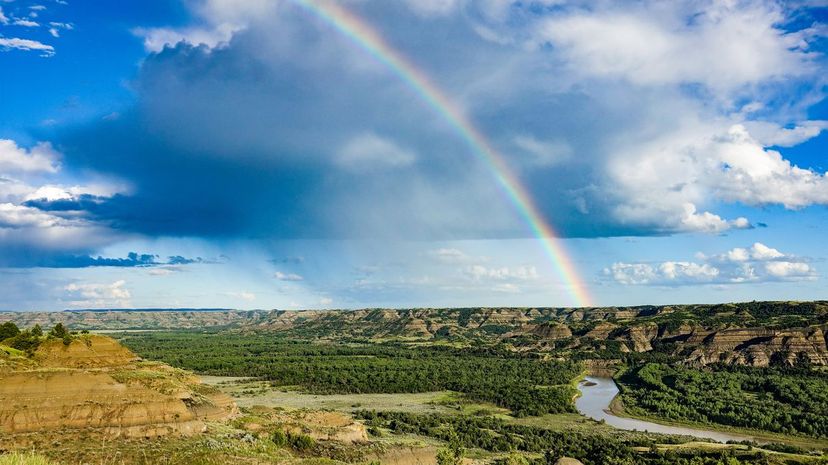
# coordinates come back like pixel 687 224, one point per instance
pixel 92 383
pixel 750 333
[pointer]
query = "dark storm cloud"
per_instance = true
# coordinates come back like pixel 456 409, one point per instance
pixel 60 260
pixel 291 131
pixel 245 141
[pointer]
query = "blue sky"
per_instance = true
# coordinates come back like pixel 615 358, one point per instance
pixel 216 153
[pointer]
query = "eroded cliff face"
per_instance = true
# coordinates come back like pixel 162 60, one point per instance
pixel 96 385
pixel 760 347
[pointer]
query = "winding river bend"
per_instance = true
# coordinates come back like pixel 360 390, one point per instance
pixel 594 403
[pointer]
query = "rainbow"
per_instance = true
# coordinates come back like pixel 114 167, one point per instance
pixel 369 40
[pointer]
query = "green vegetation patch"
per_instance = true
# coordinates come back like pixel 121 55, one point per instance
pixel 541 446
pixel 524 385
pixel 791 401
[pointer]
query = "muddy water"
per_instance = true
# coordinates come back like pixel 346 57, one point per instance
pixel 595 401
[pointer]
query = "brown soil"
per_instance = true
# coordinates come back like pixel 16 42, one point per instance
pixel 95 384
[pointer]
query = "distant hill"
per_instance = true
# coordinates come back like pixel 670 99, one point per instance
pixel 750 333
pixel 109 310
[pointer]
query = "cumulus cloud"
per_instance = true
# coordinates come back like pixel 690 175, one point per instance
pixel 155 39
pixel 757 251
pixel 40 158
pixel 757 263
pixel 665 178
pixel 789 270
pixel 41 220
pixel 720 45
pixel 98 295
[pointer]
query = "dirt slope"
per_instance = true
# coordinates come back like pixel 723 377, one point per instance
pixel 95 384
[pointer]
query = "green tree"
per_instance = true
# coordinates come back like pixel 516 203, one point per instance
pixel 59 332
pixel 7 330
pixel 452 454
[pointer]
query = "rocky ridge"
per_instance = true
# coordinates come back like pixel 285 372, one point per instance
pixel 750 333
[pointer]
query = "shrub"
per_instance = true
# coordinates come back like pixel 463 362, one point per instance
pixel 59 332
pixel 26 341
pixel 7 330
pixel 301 442
pixel 279 438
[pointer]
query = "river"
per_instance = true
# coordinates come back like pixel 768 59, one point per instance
pixel 595 400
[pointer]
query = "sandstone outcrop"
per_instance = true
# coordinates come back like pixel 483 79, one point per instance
pixel 95 384
pixel 759 347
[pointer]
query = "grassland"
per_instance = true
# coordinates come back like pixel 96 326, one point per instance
pixel 250 392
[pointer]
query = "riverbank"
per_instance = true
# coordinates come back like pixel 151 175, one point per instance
pixel 609 407
pixel 616 407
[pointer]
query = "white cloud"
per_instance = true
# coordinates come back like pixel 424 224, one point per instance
pixel 28 175
pixel 99 295
pixel 155 39
pixel 519 273
pixel 771 134
pixel 26 45
pixel 632 273
pixel 666 272
pixel 18 216
pixel 325 301
pixel 55 28
pixel 760 251
pixel 163 270
pixel 737 254
pixel 287 276
pixel 758 263
pixel 753 175
pixel 370 151
pixel 789 270
pixel 40 158
pixel 26 23
pixel 662 180
pixel 3 18
pixel 722 45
